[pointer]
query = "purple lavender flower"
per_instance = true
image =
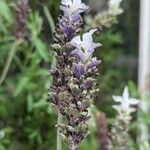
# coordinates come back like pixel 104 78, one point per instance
pixel 86 46
pixel 94 62
pixel 74 84
pixel 72 7
pixel 70 23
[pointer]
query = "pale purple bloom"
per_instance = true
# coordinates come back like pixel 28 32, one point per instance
pixel 71 7
pixel 86 45
pixel 71 21
pixel 93 63
pixel 78 69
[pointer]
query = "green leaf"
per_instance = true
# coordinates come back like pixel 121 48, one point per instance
pixel 40 104
pixel 42 72
pixel 41 48
pixel 21 85
pixel 5 11
pixel 2 147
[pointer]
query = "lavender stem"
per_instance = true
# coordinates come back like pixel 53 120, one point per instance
pixel 59 144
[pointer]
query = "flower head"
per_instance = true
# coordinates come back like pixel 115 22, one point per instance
pixel 85 46
pixel 125 101
pixel 120 128
pixel 71 7
pixel 114 7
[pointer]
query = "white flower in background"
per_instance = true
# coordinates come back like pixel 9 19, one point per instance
pixel 126 102
pixel 85 46
pixel 114 7
pixel 120 129
pixel 73 6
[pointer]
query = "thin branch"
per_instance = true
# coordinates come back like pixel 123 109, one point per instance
pixel 9 60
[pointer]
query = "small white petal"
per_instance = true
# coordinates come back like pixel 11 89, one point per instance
pixel 93 31
pixel 126 93
pixel 116 107
pixel 77 2
pixel 134 101
pixel 76 40
pixel 117 98
pixel 66 2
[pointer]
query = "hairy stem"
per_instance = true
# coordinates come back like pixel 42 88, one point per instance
pixel 9 60
pixel 59 144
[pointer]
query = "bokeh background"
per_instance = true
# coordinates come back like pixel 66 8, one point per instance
pixel 27 121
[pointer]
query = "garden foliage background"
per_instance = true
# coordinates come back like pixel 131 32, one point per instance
pixel 26 119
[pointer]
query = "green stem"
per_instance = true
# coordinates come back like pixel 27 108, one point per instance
pixel 59 143
pixel 49 18
pixel 8 61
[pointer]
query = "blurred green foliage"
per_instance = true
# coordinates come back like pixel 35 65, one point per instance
pixel 25 117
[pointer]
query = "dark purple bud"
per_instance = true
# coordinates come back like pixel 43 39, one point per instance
pixel 67 30
pixel 93 63
pixel 88 83
pixel 79 70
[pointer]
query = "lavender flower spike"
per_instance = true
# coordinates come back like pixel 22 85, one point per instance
pixel 74 76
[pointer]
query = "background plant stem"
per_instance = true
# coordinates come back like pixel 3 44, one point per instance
pixel 9 60
pixel 49 18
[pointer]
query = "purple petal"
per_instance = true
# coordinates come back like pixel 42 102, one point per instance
pixel 76 18
pixel 79 55
pixel 69 32
pixel 94 63
pixel 79 70
pixel 67 29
